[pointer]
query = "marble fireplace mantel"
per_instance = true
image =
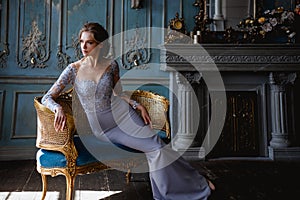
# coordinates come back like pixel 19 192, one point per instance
pixel 279 63
pixel 243 57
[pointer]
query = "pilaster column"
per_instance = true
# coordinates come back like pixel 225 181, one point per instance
pixel 188 111
pixel 279 111
pixel 218 16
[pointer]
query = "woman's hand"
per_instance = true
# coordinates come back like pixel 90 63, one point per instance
pixel 144 114
pixel 59 119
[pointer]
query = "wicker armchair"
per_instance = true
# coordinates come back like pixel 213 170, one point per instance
pixel 63 153
pixel 158 108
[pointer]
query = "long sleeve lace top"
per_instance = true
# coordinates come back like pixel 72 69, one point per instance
pixel 101 91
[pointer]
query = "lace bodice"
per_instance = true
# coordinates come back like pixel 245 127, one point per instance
pixel 93 96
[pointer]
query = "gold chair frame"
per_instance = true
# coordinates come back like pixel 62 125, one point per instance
pixel 62 141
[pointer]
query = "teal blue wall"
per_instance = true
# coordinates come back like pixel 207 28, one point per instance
pixel 24 76
pixel 57 25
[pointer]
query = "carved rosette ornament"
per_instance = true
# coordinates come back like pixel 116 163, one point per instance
pixel 34 52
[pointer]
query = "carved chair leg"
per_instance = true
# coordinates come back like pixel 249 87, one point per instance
pixel 44 181
pixel 70 180
pixel 128 176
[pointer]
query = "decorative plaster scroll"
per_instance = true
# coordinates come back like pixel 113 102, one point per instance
pixel 282 79
pixel 63 59
pixel 206 59
pixel 4 55
pixel 34 52
pixel 191 77
pixel 4 49
pixel 33 40
pixel 137 56
pixel 76 47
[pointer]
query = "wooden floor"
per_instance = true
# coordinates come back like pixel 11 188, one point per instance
pixel 234 179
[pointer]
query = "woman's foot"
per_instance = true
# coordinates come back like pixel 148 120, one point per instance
pixel 211 185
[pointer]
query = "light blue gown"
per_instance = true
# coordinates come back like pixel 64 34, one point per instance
pixel 112 119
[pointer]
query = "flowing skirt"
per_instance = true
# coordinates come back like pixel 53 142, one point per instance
pixel 171 176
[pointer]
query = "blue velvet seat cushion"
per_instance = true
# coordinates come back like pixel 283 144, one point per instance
pixel 50 159
pixel 162 135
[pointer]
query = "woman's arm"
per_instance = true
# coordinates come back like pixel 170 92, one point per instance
pixel 66 77
pixel 119 91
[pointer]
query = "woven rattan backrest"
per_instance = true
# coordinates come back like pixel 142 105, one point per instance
pixel 157 107
pixel 47 137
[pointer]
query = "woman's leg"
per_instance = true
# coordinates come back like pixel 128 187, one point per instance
pixel 170 175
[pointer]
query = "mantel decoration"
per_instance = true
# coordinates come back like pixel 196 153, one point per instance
pixel 177 24
pixel 271 26
pixel 176 30
pixel 202 21
pixel 202 18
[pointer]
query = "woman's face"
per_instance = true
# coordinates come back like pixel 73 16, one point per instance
pixel 87 42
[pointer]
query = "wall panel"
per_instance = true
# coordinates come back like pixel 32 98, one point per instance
pixel 24 126
pixel 39 39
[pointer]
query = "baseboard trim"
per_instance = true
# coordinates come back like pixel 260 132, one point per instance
pixel 17 153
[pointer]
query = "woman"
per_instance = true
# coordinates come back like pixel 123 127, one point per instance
pixel 96 83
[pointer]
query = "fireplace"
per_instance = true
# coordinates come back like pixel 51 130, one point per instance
pixel 258 85
pixel 240 136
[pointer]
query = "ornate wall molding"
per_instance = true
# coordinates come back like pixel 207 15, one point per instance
pixel 33 44
pixel 135 49
pixel 282 79
pixel 191 77
pixel 76 47
pixel 231 57
pixel 62 57
pixel 4 55
pixel 4 46
pixel 138 55
pixel 34 51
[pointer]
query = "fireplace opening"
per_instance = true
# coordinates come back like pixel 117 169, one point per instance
pixel 240 134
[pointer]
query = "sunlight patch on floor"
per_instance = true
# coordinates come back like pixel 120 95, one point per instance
pixel 86 194
pixel 52 195
pixel 26 195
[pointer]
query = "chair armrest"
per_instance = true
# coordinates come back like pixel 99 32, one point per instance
pixel 47 137
pixel 157 107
